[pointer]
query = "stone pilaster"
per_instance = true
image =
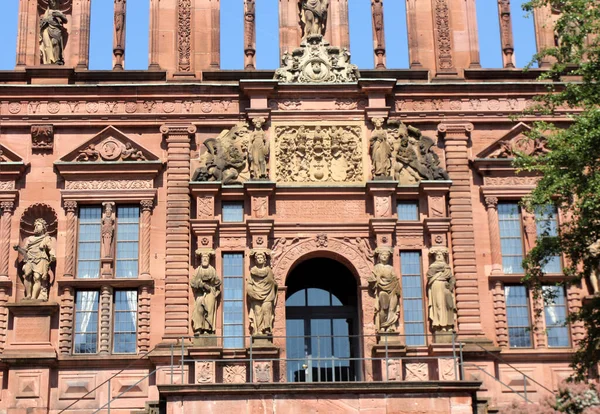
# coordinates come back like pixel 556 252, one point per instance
pixel 143 336
pixel 500 314
pixel 183 39
pixel 544 33
pixel 338 29
pixel 70 240
pixel 413 34
pixel 66 319
pixel 119 35
pixel 83 59
pixel 177 255
pixel 574 303
pixel 491 204
pixel 145 235
pixel 249 34
pixel 154 35
pixel 6 209
pixel 106 293
pixel 506 34
pixel 442 29
pixel 456 137
pixel 290 33
pixel 4 295
pixel 541 338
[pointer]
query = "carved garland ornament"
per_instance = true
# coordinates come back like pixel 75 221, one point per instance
pixel 184 13
pixel 442 24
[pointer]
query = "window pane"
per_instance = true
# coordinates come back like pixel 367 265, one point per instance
pixel 517 313
pixel 555 312
pixel 125 322
pixel 128 236
pixel 509 218
pixel 233 211
pixel 86 322
pixel 88 246
pixel 547 226
pixel 412 295
pixel 408 210
pixel 233 300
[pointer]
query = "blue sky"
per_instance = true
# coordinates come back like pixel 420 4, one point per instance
pixel 267 34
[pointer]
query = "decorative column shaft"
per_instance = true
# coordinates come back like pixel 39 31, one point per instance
pixel 154 34
pixel 574 304
pixel 71 208
pixel 105 318
pixel 184 36
pixel 541 339
pixel 6 208
pixel 145 235
pixel 378 33
pixel 177 266
pixel 456 137
pixel 443 38
pixel 3 315
pixel 473 37
pixel 67 314
pixel 494 227
pixel 84 36
pixel 249 34
pixel 413 35
pixel 119 35
pixel 500 314
pixel 143 336
pixel 506 34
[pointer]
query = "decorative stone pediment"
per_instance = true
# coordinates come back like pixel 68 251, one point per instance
pixel 110 145
pixel 109 163
pixel 515 141
pixel 11 168
pixel 315 61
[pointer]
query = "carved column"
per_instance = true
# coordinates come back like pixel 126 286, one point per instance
pixel 574 304
pixel 500 314
pixel 4 295
pixel 177 266
pixel 506 34
pixel 249 34
pixel 143 337
pixel 105 318
pixel 145 235
pixel 154 35
pixel 378 33
pixel 184 38
pixel 541 338
pixel 70 248
pixel 413 35
pixel 443 38
pixel 473 36
pixel 83 59
pixel 67 314
pixel 119 35
pixel 7 208
pixel 456 137
pixel 289 26
pixel 337 31
pixel 494 226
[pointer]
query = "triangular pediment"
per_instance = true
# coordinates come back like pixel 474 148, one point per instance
pixel 8 155
pixel 513 142
pixel 109 145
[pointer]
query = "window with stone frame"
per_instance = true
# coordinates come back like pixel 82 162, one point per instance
pixel 232 211
pixel 546 219
pixel 87 304
pixel 511 236
pixel 233 300
pixel 112 237
pixel 518 316
pixel 412 297
pixel 408 210
pixel 555 317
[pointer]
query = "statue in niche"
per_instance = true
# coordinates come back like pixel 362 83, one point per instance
pixel 259 151
pixel 261 289
pixel 381 151
pixel 53 35
pixel 313 14
pixel 386 287
pixel 207 289
pixel 594 250
pixel 108 229
pixel 440 288
pixel 225 158
pixel 38 254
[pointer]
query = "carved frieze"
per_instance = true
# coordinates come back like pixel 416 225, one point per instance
pixel 492 105
pixel 108 185
pixel 318 153
pixel 511 181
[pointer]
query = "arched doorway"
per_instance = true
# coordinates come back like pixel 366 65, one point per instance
pixel 322 323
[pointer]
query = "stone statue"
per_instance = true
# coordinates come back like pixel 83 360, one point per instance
pixel 108 229
pixel 594 250
pixel 381 151
pixel 377 6
pixel 38 254
pixel 259 151
pixel 207 289
pixel 52 35
pixel 313 14
pixel 384 283
pixel 261 289
pixel 440 288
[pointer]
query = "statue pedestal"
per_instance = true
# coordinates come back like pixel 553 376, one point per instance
pixel 262 341
pixel 205 341
pixel 29 335
pixel 205 363
pixel 388 363
pixel 444 337
pixel 265 363
pixel 389 338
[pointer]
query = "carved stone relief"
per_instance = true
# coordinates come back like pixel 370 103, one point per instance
pixel 234 374
pixel 225 157
pixel 184 28
pixel 510 181
pixel 416 371
pixel 205 372
pixel 108 185
pixel 110 149
pixel 520 144
pixel 402 153
pixel 262 372
pixel 318 154
pixel 42 137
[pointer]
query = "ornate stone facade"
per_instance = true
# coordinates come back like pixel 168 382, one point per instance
pixel 378 196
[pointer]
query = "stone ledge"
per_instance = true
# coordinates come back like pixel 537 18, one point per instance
pixel 413 387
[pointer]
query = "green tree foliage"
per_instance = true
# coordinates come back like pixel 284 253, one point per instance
pixel 571 169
